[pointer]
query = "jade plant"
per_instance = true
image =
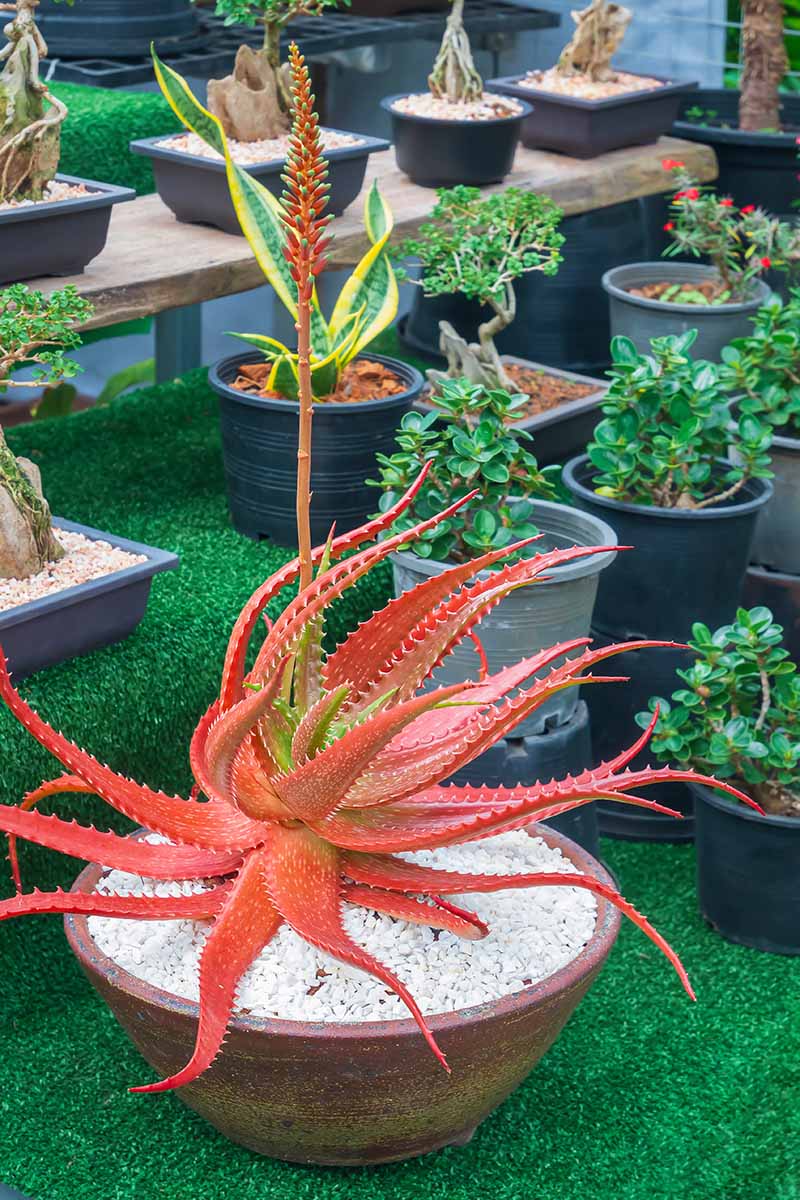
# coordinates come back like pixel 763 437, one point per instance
pixel 454 76
pixel 479 246
pixel 667 433
pixel 471 450
pixel 254 102
pixel 740 243
pixel 762 370
pixel 30 115
pixel 738 714
pixel 321 770
pixel 368 301
pixel 35 332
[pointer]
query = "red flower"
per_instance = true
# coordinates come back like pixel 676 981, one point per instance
pixel 765 262
pixel 669 226
pixel 671 164
pixel 748 208
pixel 689 194
pixel 726 202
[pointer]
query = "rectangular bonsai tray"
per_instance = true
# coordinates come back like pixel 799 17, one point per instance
pixel 59 237
pixel 82 618
pixel 196 188
pixel 587 128
pixel 561 432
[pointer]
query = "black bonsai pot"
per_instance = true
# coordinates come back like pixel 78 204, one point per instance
pixel 259 449
pixel 748 873
pixel 57 237
pixel 115 28
pixel 780 593
pixel 641 318
pixel 196 188
pixel 754 168
pixel 586 128
pixel 436 153
pixel 686 566
pixel 76 620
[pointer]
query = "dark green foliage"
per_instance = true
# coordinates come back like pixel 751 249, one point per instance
pixel 764 368
pixel 738 717
pixel 666 428
pixel 278 12
pixel 472 445
pixel 38 330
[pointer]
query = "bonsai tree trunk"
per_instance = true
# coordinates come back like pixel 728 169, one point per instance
pixel 765 64
pixel 27 542
pixel 253 103
pixel 30 117
pixel 454 76
pixel 479 362
pixel 599 31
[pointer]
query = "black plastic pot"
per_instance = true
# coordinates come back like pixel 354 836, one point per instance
pixel 259 450
pixel 82 618
pixel 754 168
pixel 562 320
pixel 686 566
pixel 780 593
pixel 115 28
pixel 435 153
pixel 59 237
pixel 586 128
pixel 560 751
pixel 559 433
pixel 196 188
pixel 748 873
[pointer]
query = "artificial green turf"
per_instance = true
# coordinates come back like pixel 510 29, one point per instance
pixel 644 1096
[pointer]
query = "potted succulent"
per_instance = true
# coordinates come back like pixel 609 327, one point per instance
pixel 484 249
pixel 457 131
pixel 753 129
pixel 319 771
pixel 737 716
pixel 583 106
pixel 252 106
pixel 50 224
pixel 65 589
pixel 259 389
pixel 718 300
pixel 473 448
pixel 657 470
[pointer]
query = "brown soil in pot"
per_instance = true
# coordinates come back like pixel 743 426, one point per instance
pixel 361 379
pixel 711 289
pixel 544 391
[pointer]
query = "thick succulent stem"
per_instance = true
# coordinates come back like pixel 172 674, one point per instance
pixel 599 31
pixel 454 76
pixel 30 116
pixel 253 103
pixel 27 542
pixel 765 64
pixel 480 361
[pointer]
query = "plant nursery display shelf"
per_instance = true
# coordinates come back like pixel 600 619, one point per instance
pixel 153 265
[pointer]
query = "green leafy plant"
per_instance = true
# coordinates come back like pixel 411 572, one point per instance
pixel 471 450
pixel 368 301
pixel 763 369
pixel 738 715
pixel 667 428
pixel 740 243
pixel 478 246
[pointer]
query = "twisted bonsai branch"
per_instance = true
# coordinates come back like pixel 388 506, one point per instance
pixel 454 76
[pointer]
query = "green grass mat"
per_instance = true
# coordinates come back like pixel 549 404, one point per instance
pixel 101 123
pixel 644 1097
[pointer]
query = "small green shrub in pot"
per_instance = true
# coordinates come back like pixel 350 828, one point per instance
pixel 738 716
pixel 470 447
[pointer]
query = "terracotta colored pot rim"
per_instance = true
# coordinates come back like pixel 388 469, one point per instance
pixel 607 924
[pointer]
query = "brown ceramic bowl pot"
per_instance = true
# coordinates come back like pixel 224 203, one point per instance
pixel 352 1094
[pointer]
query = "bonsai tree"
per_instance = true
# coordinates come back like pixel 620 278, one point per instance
pixel 30 115
pixel 738 715
pixel 600 29
pixel 667 432
pixel 479 246
pixel 35 330
pixel 740 243
pixel 369 299
pixel 454 76
pixel 473 456
pixel 762 370
pixel 308 759
pixel 765 64
pixel 254 103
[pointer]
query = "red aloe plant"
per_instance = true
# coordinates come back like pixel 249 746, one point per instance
pixel 318 770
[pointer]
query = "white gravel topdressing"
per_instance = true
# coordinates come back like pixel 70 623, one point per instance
pixel 54 191
pixel 534 932
pixel 489 108
pixel 266 150
pixel 84 560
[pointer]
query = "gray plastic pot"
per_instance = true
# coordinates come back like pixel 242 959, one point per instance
pixel 531 618
pixel 641 319
pixel 777 540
